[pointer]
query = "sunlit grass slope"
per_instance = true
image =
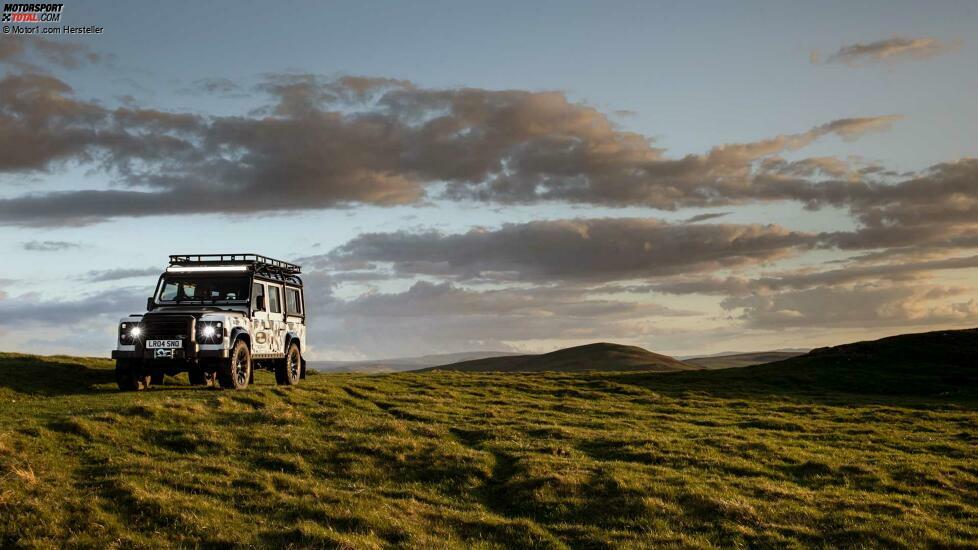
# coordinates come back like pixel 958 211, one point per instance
pixel 451 459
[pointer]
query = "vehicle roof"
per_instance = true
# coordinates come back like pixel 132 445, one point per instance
pixel 263 267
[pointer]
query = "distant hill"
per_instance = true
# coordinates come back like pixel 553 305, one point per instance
pixel 399 364
pixel 599 356
pixel 734 360
pixel 925 364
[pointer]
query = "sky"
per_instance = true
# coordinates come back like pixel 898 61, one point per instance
pixel 688 177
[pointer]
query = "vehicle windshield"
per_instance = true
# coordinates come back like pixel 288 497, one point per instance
pixel 198 289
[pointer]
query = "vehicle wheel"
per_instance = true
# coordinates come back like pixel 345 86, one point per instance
pixel 287 370
pixel 156 377
pixel 236 371
pixel 129 375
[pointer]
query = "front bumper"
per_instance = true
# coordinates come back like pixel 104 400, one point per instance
pixel 181 354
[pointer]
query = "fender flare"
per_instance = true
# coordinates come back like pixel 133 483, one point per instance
pixel 289 336
pixel 240 332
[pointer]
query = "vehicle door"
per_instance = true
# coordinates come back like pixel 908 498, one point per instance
pixel 276 318
pixel 260 325
pixel 294 314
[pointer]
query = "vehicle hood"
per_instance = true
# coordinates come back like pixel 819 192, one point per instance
pixel 197 311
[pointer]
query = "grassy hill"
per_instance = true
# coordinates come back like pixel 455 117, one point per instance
pixel 736 360
pixel 929 363
pixel 598 356
pixel 791 454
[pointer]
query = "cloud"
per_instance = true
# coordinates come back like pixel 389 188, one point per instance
pixel 877 305
pixel 580 249
pixel 32 323
pixel 49 246
pixel 442 317
pixel 102 307
pixel 937 208
pixel 216 85
pixel 357 140
pixel 809 167
pixel 807 279
pixel 704 217
pixel 99 276
pixel 893 49
pixel 40 125
pixel 18 52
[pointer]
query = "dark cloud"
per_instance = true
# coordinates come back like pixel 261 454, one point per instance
pixel 704 217
pixel 354 140
pixel 579 249
pixel 40 125
pixel 893 49
pixel 938 207
pixel 49 246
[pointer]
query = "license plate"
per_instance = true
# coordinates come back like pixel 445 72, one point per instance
pixel 164 344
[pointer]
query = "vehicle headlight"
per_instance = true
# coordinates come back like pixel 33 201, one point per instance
pixel 129 333
pixel 210 331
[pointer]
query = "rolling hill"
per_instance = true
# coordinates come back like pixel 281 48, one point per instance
pixel 599 356
pixel 939 363
pixel 925 363
pixel 735 360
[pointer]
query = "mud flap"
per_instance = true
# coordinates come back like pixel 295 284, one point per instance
pixel 302 371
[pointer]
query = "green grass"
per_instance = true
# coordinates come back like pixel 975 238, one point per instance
pixel 694 459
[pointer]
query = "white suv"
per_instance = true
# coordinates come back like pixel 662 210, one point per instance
pixel 217 317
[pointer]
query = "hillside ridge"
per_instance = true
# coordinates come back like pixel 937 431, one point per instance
pixel 606 356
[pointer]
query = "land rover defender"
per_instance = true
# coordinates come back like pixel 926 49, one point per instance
pixel 217 317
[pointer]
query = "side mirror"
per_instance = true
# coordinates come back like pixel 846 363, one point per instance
pixel 150 304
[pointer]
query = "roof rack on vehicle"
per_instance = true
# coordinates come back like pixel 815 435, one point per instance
pixel 260 264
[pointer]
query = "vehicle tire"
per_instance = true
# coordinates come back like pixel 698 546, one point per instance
pixel 235 373
pixel 129 375
pixel 287 370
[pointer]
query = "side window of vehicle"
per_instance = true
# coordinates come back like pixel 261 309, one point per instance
pixel 169 292
pixel 274 299
pixel 258 296
pixel 293 305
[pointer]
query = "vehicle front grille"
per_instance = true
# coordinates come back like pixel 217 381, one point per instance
pixel 167 327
